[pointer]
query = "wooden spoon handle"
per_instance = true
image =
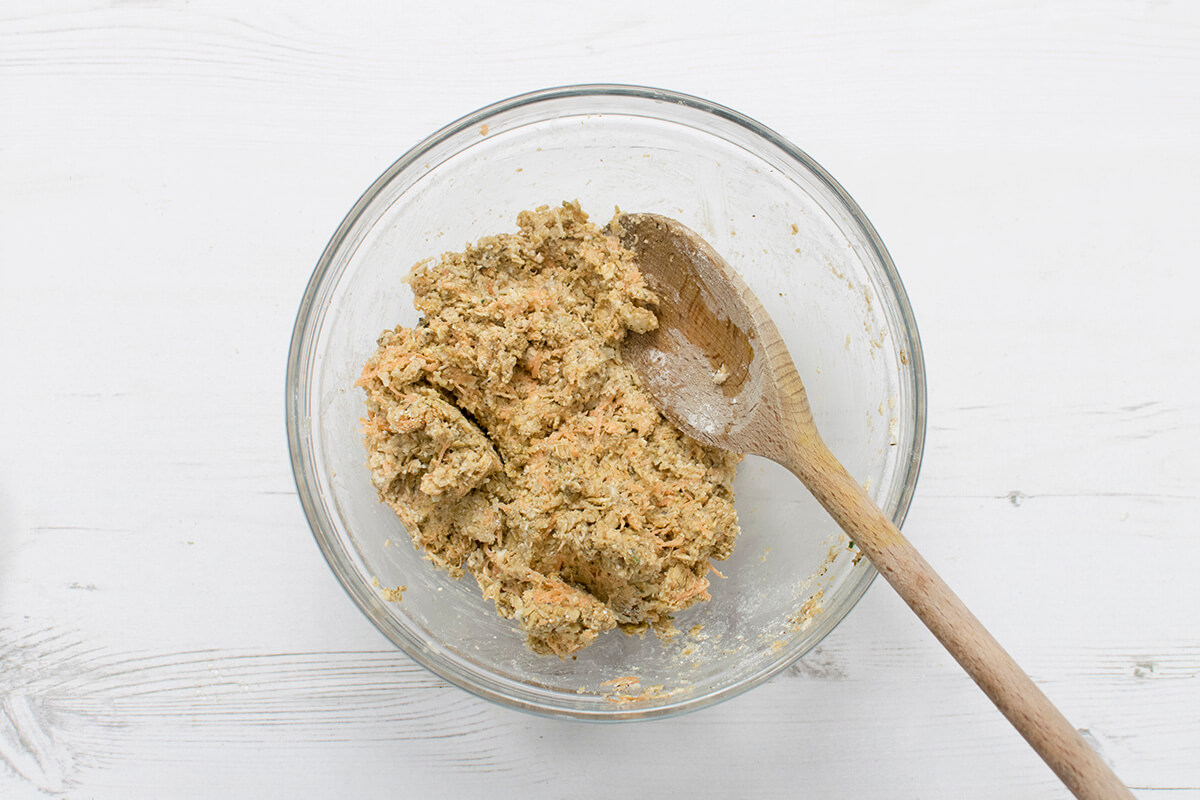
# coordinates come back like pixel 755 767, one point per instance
pixel 1013 692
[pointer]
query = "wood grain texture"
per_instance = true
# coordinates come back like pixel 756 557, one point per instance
pixel 169 173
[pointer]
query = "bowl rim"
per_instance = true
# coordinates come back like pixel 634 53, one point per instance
pixel 300 446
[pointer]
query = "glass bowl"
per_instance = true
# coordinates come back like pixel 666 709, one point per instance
pixel 800 242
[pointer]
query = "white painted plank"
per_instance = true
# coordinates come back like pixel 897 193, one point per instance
pixel 167 626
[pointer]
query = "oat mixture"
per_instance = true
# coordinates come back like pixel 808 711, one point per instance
pixel 512 441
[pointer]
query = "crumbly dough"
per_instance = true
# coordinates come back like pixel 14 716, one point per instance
pixel 512 441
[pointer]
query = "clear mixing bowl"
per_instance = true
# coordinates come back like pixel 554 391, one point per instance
pixel 800 242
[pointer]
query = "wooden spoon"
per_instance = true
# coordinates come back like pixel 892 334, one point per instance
pixel 717 367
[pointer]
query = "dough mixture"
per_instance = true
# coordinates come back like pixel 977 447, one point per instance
pixel 512 441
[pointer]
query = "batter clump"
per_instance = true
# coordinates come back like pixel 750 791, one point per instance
pixel 512 441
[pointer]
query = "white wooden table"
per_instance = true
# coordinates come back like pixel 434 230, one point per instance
pixel 169 173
